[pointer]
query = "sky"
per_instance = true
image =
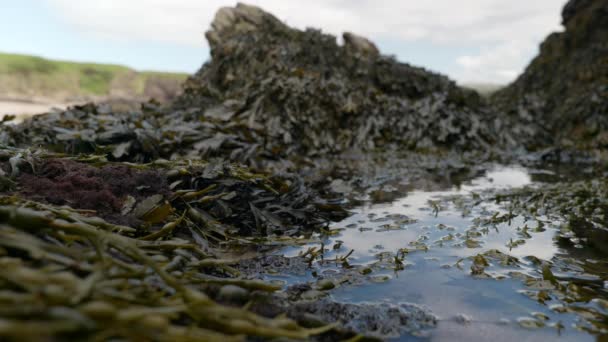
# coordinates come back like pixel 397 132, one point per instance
pixel 471 41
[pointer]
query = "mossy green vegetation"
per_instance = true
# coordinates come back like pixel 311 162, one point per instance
pixel 30 76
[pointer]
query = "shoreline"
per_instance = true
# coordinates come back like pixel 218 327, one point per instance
pixel 22 109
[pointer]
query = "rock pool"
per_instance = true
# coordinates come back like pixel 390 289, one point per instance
pixel 450 252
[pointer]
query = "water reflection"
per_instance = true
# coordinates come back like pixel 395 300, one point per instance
pixel 510 177
pixel 440 246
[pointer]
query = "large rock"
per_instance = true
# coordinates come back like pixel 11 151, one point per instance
pixel 230 21
pixel 273 97
pixel 562 97
pixel 301 93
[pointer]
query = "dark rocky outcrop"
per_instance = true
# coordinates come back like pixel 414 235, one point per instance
pixel 301 92
pixel 562 97
pixel 276 97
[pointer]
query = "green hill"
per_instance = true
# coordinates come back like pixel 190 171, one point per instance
pixel 29 77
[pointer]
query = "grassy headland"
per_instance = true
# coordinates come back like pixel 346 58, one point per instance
pixel 26 77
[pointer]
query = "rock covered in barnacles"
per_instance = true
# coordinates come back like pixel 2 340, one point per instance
pixel 562 97
pixel 379 320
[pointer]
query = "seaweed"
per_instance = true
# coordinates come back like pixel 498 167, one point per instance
pixel 298 96
pixel 154 224
pixel 69 276
pixel 562 97
pixel 223 197
pixel 569 282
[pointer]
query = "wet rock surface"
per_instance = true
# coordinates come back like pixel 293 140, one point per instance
pixel 377 320
pixel 374 320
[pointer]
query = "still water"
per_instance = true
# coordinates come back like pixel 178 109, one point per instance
pixel 437 244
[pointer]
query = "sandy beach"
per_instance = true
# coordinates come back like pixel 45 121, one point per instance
pixel 24 109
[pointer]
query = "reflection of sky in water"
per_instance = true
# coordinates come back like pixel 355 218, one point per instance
pixel 430 278
pixel 416 206
pixel 500 178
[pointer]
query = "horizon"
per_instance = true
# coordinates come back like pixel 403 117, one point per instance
pixel 481 42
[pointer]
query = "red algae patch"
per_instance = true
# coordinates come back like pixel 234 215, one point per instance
pixel 82 186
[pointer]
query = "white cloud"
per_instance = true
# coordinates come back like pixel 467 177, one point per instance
pixel 497 64
pixel 505 33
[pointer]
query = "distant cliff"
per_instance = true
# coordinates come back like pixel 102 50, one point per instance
pixel 25 77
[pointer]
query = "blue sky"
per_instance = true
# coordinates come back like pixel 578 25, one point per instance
pixel 35 27
pixel 469 40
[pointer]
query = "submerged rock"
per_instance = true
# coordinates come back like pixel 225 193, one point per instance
pixel 562 97
pixel 314 308
pixel 379 320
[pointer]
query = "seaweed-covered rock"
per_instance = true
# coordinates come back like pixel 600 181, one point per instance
pixel 562 97
pixel 276 97
pixel 220 198
pixel 136 136
pixel 299 92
